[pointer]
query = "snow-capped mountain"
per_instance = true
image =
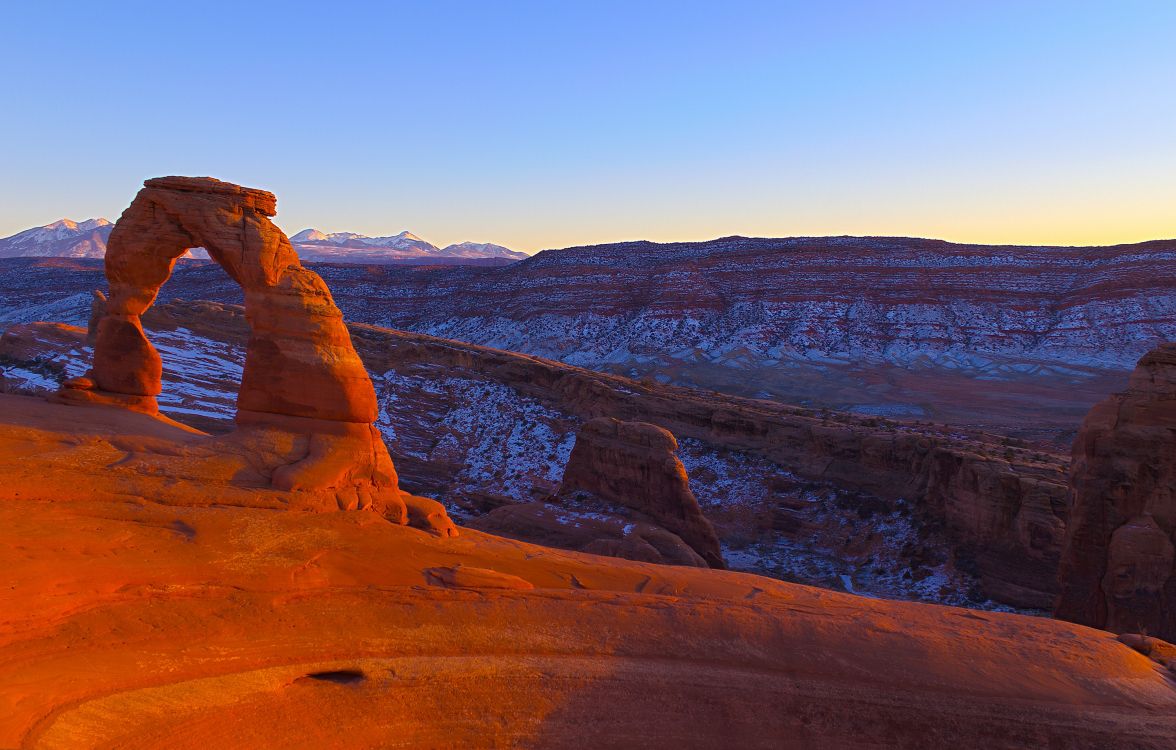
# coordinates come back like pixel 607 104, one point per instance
pixel 313 245
pixel 87 239
pixel 480 250
pixel 63 238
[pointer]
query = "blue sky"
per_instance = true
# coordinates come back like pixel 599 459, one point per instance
pixel 550 124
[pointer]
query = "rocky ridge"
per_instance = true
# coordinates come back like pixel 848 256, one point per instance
pixel 63 238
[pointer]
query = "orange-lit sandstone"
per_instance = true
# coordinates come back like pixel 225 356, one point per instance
pixel 158 598
pixel 168 589
pixel 306 405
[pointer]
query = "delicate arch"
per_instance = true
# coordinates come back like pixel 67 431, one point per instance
pixel 300 361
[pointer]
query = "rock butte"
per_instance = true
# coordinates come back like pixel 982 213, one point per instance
pixel 1119 567
pixel 306 406
pixel 633 464
pixel 628 478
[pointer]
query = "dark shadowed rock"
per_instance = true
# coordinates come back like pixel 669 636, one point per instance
pixel 1118 570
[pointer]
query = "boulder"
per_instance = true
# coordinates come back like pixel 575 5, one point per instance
pixel 634 464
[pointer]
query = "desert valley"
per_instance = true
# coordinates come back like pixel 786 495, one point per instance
pixel 779 484
pixel 782 375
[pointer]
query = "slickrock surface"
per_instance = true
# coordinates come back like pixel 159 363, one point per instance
pixel 589 526
pixel 634 464
pixel 305 407
pixel 1119 567
pixel 142 610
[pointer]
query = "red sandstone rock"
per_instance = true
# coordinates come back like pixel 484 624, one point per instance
pixel 468 577
pixel 634 464
pixel 305 403
pixel 1119 566
pixel 150 604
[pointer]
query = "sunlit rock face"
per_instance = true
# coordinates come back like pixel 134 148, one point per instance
pixel 1119 567
pixel 306 405
pixel 150 603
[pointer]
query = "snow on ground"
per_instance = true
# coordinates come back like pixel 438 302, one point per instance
pixel 502 442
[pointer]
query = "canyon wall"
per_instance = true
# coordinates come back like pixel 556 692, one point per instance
pixel 1119 567
pixel 1003 502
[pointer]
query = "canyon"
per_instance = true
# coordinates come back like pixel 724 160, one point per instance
pixel 1022 341
pixel 836 499
pixel 184 455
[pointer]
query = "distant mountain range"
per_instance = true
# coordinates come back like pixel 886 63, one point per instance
pixel 61 239
pixel 312 244
pixel 87 239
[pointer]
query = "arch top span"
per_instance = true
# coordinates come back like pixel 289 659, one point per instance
pixel 262 201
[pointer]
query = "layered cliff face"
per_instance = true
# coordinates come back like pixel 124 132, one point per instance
pixel 1119 567
pixel 1018 340
pixel 1002 502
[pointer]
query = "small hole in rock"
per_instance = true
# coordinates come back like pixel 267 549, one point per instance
pixel 339 676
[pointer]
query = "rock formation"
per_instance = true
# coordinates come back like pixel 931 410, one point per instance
pixel 1118 569
pixel 624 494
pixel 1002 503
pixel 144 607
pixel 959 334
pixel 305 402
pixel 97 312
pixel 31 342
pixel 633 464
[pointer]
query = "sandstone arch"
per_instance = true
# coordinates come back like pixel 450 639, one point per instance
pixel 302 375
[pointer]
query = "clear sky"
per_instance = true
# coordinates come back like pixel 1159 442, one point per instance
pixel 548 124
